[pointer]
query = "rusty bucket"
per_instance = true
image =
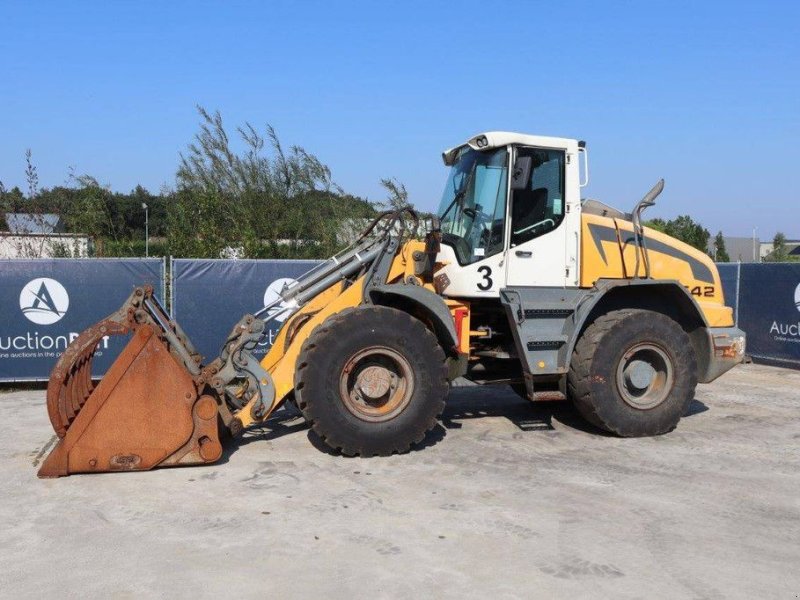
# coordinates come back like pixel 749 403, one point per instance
pixel 148 410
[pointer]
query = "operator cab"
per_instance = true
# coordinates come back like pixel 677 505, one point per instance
pixel 506 226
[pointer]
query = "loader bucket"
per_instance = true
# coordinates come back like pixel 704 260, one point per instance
pixel 145 412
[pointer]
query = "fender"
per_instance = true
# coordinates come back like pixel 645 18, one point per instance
pixel 414 298
pixel 568 311
pixel 649 292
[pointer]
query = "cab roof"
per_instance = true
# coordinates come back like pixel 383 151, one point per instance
pixel 498 139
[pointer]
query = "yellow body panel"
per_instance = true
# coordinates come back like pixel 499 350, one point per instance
pixel 403 264
pixel 283 370
pixel 281 359
pixel 608 251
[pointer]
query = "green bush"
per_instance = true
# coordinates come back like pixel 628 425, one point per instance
pixel 127 248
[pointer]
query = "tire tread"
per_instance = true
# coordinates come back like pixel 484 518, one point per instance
pixel 579 378
pixel 323 339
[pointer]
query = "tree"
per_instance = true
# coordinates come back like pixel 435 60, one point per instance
pixel 397 194
pixel 3 209
pixel 779 251
pixel 31 175
pixel 12 200
pixel 658 224
pixel 89 210
pixel 720 253
pixel 684 229
pixel 263 202
pixel 28 246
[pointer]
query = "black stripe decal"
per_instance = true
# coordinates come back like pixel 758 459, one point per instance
pixel 601 233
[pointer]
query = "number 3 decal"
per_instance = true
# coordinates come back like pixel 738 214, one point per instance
pixel 487 282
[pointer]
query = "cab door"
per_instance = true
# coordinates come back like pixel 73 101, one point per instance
pixel 539 247
pixel 474 248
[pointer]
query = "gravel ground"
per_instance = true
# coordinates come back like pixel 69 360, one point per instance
pixel 506 499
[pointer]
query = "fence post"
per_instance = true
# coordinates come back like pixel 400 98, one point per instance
pixel 163 279
pixel 172 286
pixel 738 277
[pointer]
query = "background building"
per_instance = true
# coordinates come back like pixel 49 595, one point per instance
pixel 792 248
pixel 740 249
pixel 32 235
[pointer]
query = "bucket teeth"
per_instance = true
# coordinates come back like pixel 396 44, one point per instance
pixel 78 388
pixel 71 380
pixel 75 387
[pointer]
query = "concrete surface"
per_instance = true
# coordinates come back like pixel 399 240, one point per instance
pixel 507 500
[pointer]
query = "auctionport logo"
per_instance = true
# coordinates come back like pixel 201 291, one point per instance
pixel 797 297
pixel 788 332
pixel 273 293
pixel 44 301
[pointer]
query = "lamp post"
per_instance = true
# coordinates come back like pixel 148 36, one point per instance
pixel 146 230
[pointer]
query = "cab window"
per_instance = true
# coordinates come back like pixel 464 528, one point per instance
pixel 473 207
pixel 538 206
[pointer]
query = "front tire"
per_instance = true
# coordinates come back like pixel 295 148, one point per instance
pixel 371 380
pixel 633 373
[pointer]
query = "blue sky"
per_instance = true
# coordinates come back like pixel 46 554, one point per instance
pixel 704 94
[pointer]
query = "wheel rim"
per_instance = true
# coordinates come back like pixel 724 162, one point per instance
pixel 376 384
pixel 644 376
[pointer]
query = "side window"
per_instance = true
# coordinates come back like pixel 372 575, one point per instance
pixel 539 207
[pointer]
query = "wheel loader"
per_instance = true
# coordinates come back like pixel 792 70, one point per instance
pixel 518 281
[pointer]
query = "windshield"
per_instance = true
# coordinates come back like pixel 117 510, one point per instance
pixel 473 206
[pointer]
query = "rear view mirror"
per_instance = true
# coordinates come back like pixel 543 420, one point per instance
pixel 522 172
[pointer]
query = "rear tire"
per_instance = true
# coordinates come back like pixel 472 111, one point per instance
pixel 633 373
pixel 371 381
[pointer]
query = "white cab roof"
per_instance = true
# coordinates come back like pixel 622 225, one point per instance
pixel 497 139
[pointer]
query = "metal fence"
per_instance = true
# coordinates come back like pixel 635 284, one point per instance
pixel 209 296
pixel 45 303
pixel 766 302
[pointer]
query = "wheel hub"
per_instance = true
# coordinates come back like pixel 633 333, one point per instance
pixel 645 376
pixel 374 381
pixel 376 384
pixel 639 374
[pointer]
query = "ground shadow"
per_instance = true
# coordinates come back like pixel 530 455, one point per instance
pixel 434 436
pixel 284 421
pixel 695 408
pixel 463 403
pixel 475 402
pixel 501 401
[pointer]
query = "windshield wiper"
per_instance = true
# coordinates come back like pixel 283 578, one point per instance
pixel 459 196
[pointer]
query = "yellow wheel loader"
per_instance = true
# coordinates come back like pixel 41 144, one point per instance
pixel 518 281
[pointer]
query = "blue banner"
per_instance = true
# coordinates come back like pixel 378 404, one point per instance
pixel 46 303
pixel 729 273
pixel 769 311
pixel 209 296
